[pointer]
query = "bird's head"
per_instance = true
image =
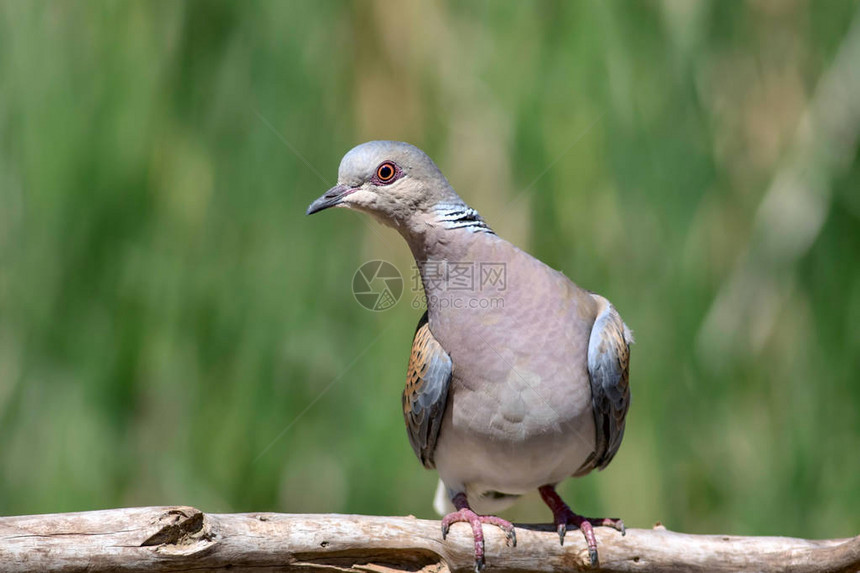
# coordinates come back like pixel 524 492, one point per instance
pixel 389 179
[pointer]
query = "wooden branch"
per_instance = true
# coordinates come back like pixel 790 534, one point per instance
pixel 185 539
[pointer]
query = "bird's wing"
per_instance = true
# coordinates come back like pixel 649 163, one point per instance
pixel 426 392
pixel 608 366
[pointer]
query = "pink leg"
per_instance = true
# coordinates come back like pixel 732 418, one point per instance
pixel 465 514
pixel 564 516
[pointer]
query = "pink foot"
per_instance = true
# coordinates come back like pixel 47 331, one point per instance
pixel 465 514
pixel 564 516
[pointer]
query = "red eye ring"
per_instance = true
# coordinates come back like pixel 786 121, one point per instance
pixel 386 172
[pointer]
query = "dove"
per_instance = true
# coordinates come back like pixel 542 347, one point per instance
pixel 517 378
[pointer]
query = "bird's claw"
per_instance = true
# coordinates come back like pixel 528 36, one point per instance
pixel 613 522
pixel 476 521
pixel 564 516
pixel 592 555
pixel 586 525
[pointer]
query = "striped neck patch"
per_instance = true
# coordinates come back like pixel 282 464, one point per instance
pixel 460 216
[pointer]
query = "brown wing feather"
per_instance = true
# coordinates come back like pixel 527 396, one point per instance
pixel 608 369
pixel 426 394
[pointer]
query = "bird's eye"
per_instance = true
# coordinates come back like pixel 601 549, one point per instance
pixel 386 172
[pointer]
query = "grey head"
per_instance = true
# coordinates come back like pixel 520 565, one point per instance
pixel 389 179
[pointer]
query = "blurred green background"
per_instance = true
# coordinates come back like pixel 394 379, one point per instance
pixel 174 330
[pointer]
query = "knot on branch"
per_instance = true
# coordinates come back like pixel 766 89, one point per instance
pixel 183 531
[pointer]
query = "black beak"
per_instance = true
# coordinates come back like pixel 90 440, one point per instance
pixel 330 198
